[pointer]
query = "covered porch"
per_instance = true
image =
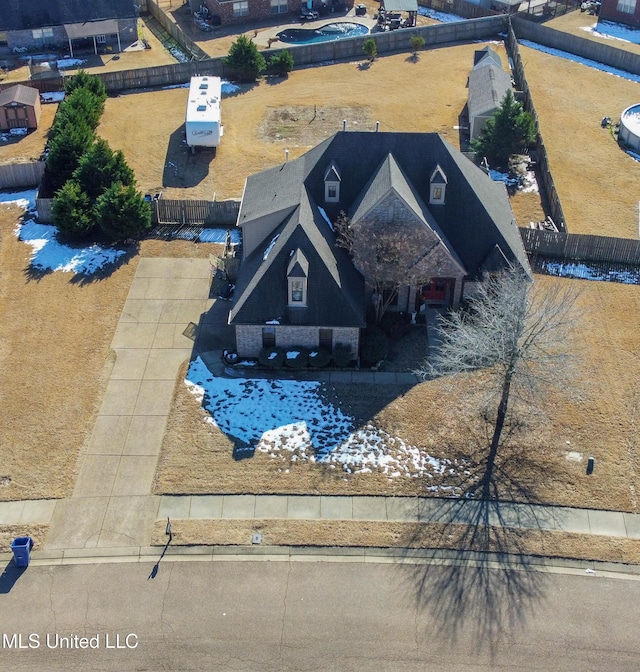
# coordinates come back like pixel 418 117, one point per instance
pixel 98 31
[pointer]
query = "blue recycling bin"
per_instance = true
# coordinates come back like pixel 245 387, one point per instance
pixel 21 547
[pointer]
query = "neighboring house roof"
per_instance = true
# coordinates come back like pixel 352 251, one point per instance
pixel 400 5
pixel 29 14
pixel 476 223
pixel 488 84
pixel 23 95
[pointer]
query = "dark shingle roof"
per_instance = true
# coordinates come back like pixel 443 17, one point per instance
pixel 335 289
pixel 476 218
pixel 29 14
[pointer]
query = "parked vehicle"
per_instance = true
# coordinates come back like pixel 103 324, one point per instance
pixel 308 14
pixel 203 126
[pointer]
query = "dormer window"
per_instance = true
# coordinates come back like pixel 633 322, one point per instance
pixel 437 187
pixel 332 183
pixel 297 273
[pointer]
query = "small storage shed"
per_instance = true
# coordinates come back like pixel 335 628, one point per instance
pixel 19 108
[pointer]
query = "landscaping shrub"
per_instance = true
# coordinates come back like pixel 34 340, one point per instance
pixel 342 355
pixel 319 357
pixel 281 63
pixel 272 358
pixel 244 60
pixel 122 212
pixel 297 358
pixel 373 346
pixel 72 212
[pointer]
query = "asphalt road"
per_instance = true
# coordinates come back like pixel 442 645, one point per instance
pixel 316 616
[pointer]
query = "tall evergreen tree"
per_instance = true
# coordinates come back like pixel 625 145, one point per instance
pixel 509 131
pixel 122 212
pixel 72 211
pixel 65 150
pixel 83 80
pixel 244 59
pixel 100 167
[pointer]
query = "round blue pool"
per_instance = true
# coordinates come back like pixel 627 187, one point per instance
pixel 326 33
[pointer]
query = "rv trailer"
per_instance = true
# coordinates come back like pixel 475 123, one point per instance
pixel 203 124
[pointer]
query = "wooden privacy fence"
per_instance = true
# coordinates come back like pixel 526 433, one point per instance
pixel 549 190
pixel 175 31
pixel 43 206
pixel 207 213
pixel 581 247
pixel 16 175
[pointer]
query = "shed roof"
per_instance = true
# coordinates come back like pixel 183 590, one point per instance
pixel 24 95
pixel 488 85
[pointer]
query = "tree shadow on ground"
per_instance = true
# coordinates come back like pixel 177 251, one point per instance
pixel 490 584
pixel 130 250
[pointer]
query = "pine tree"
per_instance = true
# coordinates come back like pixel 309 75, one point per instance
pixel 281 63
pixel 122 212
pixel 83 80
pixel 65 151
pixel 509 131
pixel 72 211
pixel 244 59
pixel 100 167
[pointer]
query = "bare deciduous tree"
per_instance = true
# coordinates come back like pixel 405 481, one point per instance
pixel 389 257
pixel 519 332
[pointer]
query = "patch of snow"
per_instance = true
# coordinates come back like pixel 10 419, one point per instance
pixel 614 31
pixel 64 63
pixel 49 254
pixel 52 97
pixel 228 87
pixel 220 236
pixel 272 355
pixel 573 456
pixel 270 247
pixel 178 54
pixel 325 217
pixel 584 271
pixel 272 322
pixel 23 199
pixel 443 17
pixel 292 354
pixel 583 61
pixel 290 420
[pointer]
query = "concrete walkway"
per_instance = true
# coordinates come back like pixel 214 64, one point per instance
pixel 401 509
pixel 111 505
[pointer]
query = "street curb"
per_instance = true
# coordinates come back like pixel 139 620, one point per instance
pixel 411 556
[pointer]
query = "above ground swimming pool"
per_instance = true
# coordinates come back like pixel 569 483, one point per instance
pixel 326 33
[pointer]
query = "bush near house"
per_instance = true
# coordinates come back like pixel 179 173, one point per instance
pixel 297 358
pixel 342 355
pixel 319 357
pixel 373 346
pixel 272 358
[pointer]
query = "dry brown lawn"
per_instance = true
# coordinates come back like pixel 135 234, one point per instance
pixel 535 463
pixel 323 533
pixel 55 361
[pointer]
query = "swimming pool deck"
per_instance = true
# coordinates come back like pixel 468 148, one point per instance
pixel 263 36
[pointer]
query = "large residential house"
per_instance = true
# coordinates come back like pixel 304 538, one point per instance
pixel 488 85
pixel 296 286
pixel 32 25
pixel 620 11
pixel 239 11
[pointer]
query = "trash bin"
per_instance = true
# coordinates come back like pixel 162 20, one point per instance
pixel 21 547
pixel 361 10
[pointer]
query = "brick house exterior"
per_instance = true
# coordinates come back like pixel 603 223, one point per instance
pixel 243 11
pixel 57 24
pixel 297 287
pixel 620 11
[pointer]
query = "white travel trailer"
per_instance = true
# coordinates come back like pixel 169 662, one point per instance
pixel 203 124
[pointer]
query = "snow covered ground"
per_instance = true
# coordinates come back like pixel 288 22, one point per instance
pixel 290 420
pixel 614 31
pixel 50 255
pixel 443 17
pixel 586 271
pixel 584 61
